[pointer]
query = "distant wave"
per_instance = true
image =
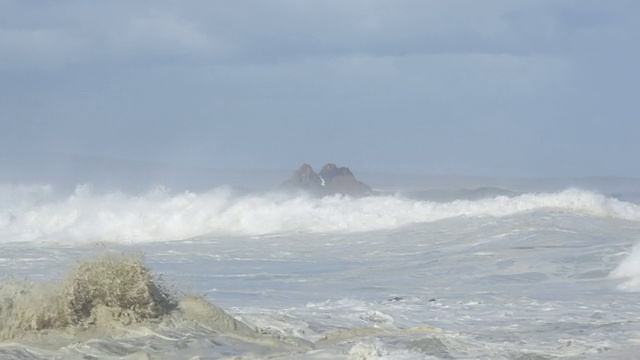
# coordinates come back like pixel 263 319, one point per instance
pixel 446 195
pixel 38 213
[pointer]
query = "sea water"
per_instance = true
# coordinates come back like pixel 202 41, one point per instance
pixel 463 274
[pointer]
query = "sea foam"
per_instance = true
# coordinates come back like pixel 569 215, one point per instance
pixel 39 214
pixel 629 270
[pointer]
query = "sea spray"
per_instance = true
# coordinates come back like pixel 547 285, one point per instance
pixel 109 289
pixel 120 288
pixel 113 296
pixel 27 306
pixel 629 270
pixel 159 215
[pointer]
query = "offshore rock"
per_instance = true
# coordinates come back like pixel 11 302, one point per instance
pixel 305 178
pixel 331 180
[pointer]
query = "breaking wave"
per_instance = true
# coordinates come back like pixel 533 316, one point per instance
pixel 37 213
pixel 629 271
pixel 109 298
pixel 100 292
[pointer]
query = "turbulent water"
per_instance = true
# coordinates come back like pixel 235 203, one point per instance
pixel 484 273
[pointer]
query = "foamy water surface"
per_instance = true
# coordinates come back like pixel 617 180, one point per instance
pixel 530 276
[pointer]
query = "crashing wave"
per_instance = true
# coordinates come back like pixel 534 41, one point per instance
pixel 100 292
pixel 160 215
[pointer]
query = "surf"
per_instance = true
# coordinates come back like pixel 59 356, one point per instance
pixel 39 213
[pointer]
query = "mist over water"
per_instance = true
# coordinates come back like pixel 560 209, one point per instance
pixel 144 153
pixel 470 269
pixel 66 172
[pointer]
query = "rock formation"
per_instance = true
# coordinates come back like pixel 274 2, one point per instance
pixel 330 180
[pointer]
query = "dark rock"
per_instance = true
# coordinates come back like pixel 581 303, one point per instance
pixel 331 180
pixel 330 171
pixel 305 178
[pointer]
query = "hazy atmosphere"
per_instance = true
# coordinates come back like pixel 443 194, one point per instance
pixel 480 88
pixel 312 180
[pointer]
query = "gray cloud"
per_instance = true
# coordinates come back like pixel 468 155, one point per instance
pixel 255 31
pixel 492 87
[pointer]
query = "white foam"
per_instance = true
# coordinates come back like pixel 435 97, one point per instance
pixel 629 270
pixel 35 214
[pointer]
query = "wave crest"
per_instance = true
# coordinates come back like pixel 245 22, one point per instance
pixel 100 292
pixel 86 216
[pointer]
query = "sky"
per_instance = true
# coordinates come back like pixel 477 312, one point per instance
pixel 480 88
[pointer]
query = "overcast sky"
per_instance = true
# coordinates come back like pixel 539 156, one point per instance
pixel 503 88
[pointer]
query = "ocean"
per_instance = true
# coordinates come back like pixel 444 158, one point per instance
pixel 530 270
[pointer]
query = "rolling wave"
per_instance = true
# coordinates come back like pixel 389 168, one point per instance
pixel 37 213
